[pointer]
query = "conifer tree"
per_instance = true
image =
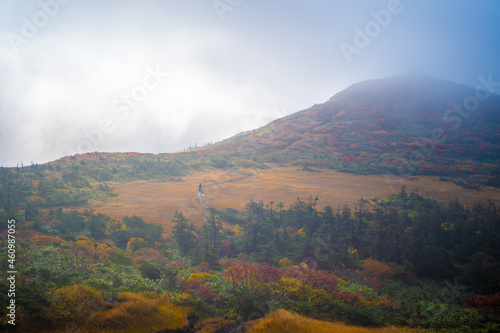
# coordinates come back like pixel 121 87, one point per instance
pixel 183 233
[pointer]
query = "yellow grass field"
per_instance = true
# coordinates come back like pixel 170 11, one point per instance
pixel 156 202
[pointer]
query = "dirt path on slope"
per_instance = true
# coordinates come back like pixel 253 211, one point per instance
pixel 157 201
pixel 201 194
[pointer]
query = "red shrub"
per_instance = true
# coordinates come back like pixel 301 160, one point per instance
pixel 199 289
pixel 317 279
pixel 484 303
pixel 246 273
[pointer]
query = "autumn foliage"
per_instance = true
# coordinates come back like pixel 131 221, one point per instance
pixel 42 239
pixel 378 269
pixel 75 303
pixel 488 303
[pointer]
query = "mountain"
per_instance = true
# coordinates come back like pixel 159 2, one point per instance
pixel 410 124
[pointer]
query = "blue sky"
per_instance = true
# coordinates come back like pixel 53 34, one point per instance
pixel 158 76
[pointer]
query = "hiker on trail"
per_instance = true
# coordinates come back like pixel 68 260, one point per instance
pixel 200 188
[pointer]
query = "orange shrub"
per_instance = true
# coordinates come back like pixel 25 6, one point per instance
pixel 95 251
pixel 377 269
pixel 42 239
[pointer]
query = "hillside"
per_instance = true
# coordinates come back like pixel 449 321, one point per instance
pixel 403 125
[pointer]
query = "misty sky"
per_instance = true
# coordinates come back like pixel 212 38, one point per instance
pixel 160 75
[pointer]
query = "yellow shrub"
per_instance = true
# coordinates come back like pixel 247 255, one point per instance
pixel 201 276
pixel 237 230
pixel 352 252
pixel 136 313
pixel 76 303
pixel 285 262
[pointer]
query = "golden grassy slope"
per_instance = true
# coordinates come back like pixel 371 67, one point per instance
pixel 334 188
pixel 281 321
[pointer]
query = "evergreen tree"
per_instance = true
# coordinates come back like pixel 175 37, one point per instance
pixel 183 233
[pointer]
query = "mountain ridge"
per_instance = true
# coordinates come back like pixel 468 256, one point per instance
pixel 402 125
pixel 409 122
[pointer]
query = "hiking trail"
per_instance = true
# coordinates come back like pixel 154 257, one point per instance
pixel 200 193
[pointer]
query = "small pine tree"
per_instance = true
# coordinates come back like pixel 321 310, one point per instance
pixel 183 233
